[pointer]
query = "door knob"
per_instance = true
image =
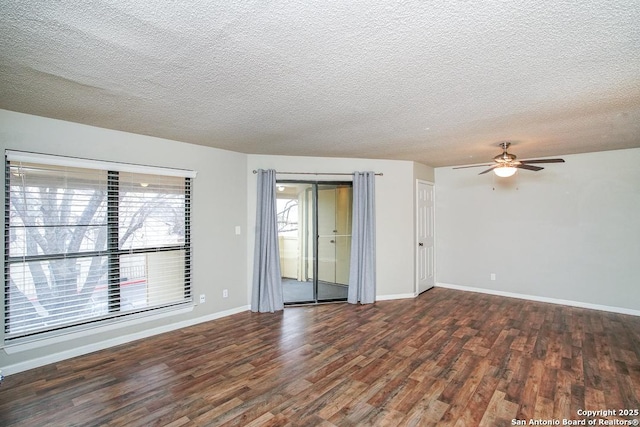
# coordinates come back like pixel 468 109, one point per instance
pixel 332 241
pixel 420 244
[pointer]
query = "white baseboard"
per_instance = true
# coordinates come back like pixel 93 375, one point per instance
pixel 56 357
pixel 79 351
pixel 396 296
pixel 570 303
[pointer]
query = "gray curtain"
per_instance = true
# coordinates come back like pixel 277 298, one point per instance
pixel 266 293
pixel 362 270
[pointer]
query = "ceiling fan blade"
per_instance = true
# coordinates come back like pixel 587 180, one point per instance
pixel 488 170
pixel 473 166
pixel 529 167
pixel 542 161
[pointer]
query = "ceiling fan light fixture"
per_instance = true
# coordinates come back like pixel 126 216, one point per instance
pixel 506 165
pixel 505 171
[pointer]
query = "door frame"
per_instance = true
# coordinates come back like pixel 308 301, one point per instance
pixel 314 191
pixel 416 237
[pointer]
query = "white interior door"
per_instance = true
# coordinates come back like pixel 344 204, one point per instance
pixel 425 252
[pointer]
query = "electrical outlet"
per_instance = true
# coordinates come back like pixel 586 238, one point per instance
pixel 493 276
pixel 202 298
pixel 225 293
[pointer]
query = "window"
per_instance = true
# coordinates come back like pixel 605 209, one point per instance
pixel 88 241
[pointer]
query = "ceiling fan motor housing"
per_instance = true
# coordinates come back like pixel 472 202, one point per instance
pixel 505 158
pixel 506 163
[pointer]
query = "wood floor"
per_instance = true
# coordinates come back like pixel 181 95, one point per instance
pixel 444 358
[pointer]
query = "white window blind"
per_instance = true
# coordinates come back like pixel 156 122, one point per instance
pixel 87 241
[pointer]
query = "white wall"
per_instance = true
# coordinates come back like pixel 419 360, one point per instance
pixel 569 232
pixel 394 211
pixel 423 172
pixel 223 198
pixel 218 205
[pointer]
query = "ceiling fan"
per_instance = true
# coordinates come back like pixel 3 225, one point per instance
pixel 507 165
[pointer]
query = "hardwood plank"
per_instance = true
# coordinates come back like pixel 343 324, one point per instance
pixel 428 409
pixel 562 396
pixel 348 394
pixel 460 398
pixel 476 407
pixel 531 388
pixel 499 411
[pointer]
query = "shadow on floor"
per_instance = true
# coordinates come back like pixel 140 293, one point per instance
pixel 295 291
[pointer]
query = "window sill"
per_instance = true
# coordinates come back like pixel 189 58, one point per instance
pixel 28 343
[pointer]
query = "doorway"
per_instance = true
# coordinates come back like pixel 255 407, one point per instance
pixel 314 236
pixel 425 237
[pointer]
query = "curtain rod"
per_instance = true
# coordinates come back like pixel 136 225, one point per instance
pixel 316 173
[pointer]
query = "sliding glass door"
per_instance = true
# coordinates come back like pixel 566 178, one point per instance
pixel 334 240
pixel 314 232
pixel 296 213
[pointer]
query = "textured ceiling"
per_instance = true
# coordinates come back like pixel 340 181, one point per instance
pixel 438 82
